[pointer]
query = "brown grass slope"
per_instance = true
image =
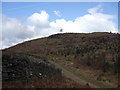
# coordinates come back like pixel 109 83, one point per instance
pixel 98 50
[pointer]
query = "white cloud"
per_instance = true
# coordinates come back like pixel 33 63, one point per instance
pixel 96 9
pixel 41 24
pixel 39 19
pixel 38 25
pixel 13 31
pixel 95 21
pixel 57 13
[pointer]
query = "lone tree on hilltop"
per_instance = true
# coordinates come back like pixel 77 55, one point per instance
pixel 61 30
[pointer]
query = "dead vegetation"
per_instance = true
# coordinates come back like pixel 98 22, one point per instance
pixel 97 52
pixel 53 82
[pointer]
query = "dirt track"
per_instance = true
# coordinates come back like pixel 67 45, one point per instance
pixel 66 72
pixel 72 76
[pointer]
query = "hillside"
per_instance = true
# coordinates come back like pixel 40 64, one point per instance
pixel 96 53
pixel 19 70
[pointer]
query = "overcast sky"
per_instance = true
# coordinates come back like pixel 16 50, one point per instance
pixel 25 21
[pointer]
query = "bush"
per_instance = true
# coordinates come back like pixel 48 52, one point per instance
pixel 15 66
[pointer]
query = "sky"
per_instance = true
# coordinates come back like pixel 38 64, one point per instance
pixel 22 21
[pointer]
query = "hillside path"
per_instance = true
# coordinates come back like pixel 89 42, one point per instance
pixel 65 72
pixel 72 76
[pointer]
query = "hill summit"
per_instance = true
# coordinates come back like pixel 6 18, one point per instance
pixel 97 52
